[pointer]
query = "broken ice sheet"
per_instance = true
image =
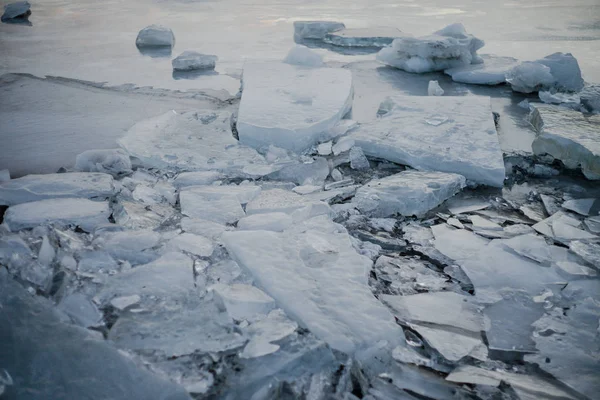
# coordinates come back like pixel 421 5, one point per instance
pixel 584 207
pixel 192 141
pixel 590 252
pixel 461 204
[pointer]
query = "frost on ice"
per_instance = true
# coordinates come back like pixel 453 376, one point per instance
pixel 155 36
pixel 569 136
pixel 407 193
pixel 315 275
pixel 315 29
pixel 291 107
pixel 450 47
pixel 40 187
pixel 302 55
pixel 192 141
pixel 192 60
pixel 447 134
pixel 363 37
pixel 557 71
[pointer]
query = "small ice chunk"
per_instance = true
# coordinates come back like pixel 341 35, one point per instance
pixel 40 187
pixel 557 71
pixel 525 104
pixel 243 302
pixel 192 60
pixel 363 37
pixel 47 253
pixel 315 29
pixel 316 276
pixel 336 175
pixel 483 224
pixel 455 223
pixel 222 208
pixel 568 136
pixel 439 133
pixel 291 107
pixel 197 178
pixel 460 205
pixel 276 222
pixel 313 172
pixel 358 160
pixel 593 224
pixel 155 36
pixel 81 310
pixel 112 161
pixel 4 175
pixel 84 213
pixel 324 149
pixel 590 98
pixel 342 145
pixel 450 47
pixel 193 244
pixel 19 9
pixel 434 89
pixel 124 302
pixel 583 206
pixel 407 193
pixel 492 71
pixel 303 56
pixel 307 189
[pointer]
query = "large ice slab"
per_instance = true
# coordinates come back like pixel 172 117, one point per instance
pixel 450 47
pixel 407 193
pixel 557 71
pixel 363 37
pixel 569 136
pixel 291 107
pixel 447 134
pixel 40 187
pixel 84 213
pixel 316 276
pixel 191 141
pixel 492 71
pixel 155 36
pixel 315 29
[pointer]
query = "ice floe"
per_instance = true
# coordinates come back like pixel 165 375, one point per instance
pixel 447 134
pixel 291 107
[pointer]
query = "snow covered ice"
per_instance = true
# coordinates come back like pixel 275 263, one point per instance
pixel 297 117
pixel 315 29
pixel 315 275
pixel 302 55
pixel 40 187
pixel 557 71
pixel 568 136
pixel 450 47
pixel 446 134
pixel 192 60
pixel 407 193
pixel 155 36
pixel 83 213
pixel 492 71
pixel 363 37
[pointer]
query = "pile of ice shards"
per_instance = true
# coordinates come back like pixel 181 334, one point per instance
pixel 284 251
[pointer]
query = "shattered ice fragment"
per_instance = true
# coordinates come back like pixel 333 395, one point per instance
pixel 492 71
pixel 407 193
pixel 450 47
pixel 557 71
pixel 291 107
pixel 460 136
pixel 112 161
pixel 280 201
pixel 155 36
pixel 583 206
pixel 313 172
pixel 221 207
pixel 460 205
pixel 342 145
pixel 84 213
pixel 358 160
pixel 81 310
pixel 243 302
pixel 191 243
pixel 590 252
pixel 124 302
pixel 336 175
pixel 593 224
pixel 303 56
pixel 434 89
pixel 192 60
pixel 455 223
pixel 315 29
pixel 47 253
pixel 324 149
pixel 315 275
pixel 276 222
pixel 40 187
pixel 363 37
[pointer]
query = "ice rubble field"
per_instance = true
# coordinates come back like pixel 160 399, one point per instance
pixel 282 250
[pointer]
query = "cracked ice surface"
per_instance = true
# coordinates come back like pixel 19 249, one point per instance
pixel 191 141
pixel 407 193
pixel 291 107
pixel 40 187
pixel 446 134
pixel 316 276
